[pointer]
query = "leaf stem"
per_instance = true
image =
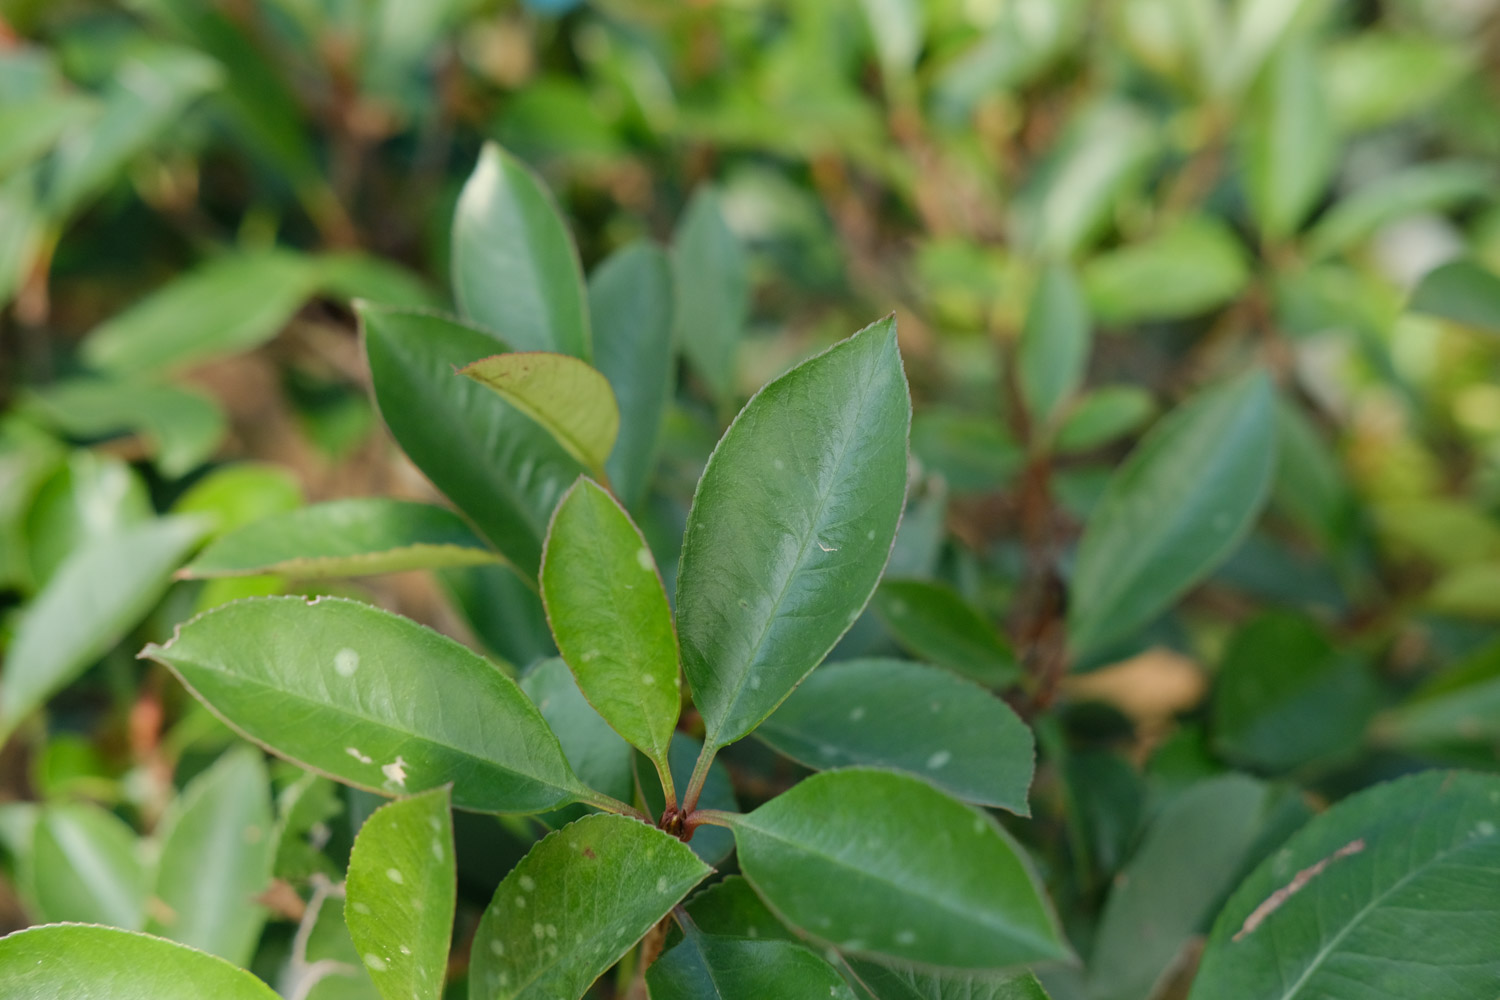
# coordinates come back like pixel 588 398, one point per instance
pixel 669 792
pixel 713 817
pixel 610 804
pixel 700 775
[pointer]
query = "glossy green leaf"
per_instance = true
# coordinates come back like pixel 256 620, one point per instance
pixel 712 281
pixel 495 463
pixel 731 908
pixel 515 269
pixel 1177 508
pixel 1289 151
pixel 1285 695
pixel 631 302
pixel 709 967
pixel 881 982
pixel 564 395
pixel 1102 154
pixel 400 895
pixel 1185 865
pixel 1425 187
pixel 1054 347
pixel 1462 291
pixel 1104 416
pixel 412 709
pixel 148 93
pixel 1190 269
pixel 344 538
pixel 29 129
pixel 86 866
pixel 908 717
pixel 578 901
pixel 118 579
pixel 883 864
pixel 505 613
pixel 933 622
pixel 223 307
pixel 596 752
pixel 712 844
pixel 610 616
pixel 1396 890
pixel 216 854
pixel 790 528
pixel 102 963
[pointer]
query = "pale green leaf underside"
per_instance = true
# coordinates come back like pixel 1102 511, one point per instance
pixel 372 699
pixel 356 537
pixel 573 401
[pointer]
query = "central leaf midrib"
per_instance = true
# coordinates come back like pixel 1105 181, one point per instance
pixel 965 915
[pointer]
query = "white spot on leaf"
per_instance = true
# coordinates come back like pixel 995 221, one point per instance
pixel 938 759
pixel 345 662
pixel 643 559
pixel 362 909
pixel 497 946
pixel 527 883
pixel 354 752
pixel 661 884
pixel 395 771
pixel 394 874
pixel 592 654
pixel 906 937
pixel 856 713
pixel 375 962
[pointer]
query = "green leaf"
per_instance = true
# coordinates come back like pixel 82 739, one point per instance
pixel 1103 416
pixel 596 752
pixel 1290 148
pixel 356 537
pixel 1397 887
pixel 515 269
pixel 933 622
pixel 224 307
pixel 880 982
pixel 1185 865
pixel 182 428
pixel 1195 266
pixel 1102 155
pixel 216 854
pixel 1286 695
pixel 706 966
pixel 908 717
pixel 1425 187
pixel 972 452
pixel 1310 486
pixel 117 579
pixel 897 27
pixel 401 893
pixel 240 494
pixel 884 864
pixel 1458 707
pixel 23 229
pixel 790 528
pixel 412 709
pixel 631 301
pixel 351 276
pixel 147 96
pixel 495 463
pixel 29 129
pixel 574 905
pixel 567 397
pixel 732 908
pixel 1376 77
pixel 90 499
pixel 712 281
pixel 1177 508
pixel 1463 291
pixel 86 867
pixel 101 963
pixel 1054 347
pixel 609 613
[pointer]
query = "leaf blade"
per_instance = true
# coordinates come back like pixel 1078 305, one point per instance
pixel 566 396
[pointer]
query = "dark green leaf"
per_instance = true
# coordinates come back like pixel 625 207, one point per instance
pixel 101 963
pixel 412 709
pixel 1459 706
pixel 631 301
pixel 1176 509
pixel 515 269
pixel 879 982
pixel 908 717
pixel 973 453
pixel 1104 416
pixel 400 895
pixel 1462 291
pixel 596 752
pixel 571 400
pixel 216 855
pixel 576 903
pixel 344 538
pixel 495 463
pixel 611 619
pixel 790 528
pixel 1395 890
pixel 731 908
pixel 933 622
pixel 709 967
pixel 712 281
pixel 881 863
pixel 96 595
pixel 224 307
